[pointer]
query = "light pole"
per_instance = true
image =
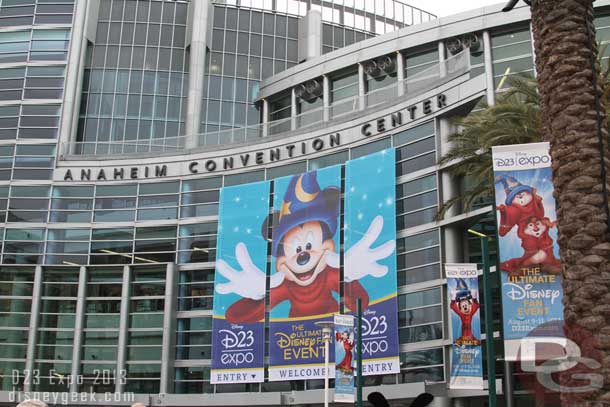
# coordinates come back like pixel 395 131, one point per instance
pixel 489 329
pixel 327 327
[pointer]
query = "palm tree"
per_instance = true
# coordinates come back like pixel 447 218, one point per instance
pixel 572 112
pixel 572 121
pixel 514 119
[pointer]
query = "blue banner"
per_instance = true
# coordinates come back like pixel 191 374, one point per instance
pixel 345 360
pixel 466 355
pixel 238 325
pixel 370 257
pixel 532 294
pixel 304 272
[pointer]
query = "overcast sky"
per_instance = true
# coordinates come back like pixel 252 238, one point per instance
pixel 447 7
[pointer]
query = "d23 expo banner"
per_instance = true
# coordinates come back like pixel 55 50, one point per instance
pixel 370 257
pixel 529 254
pixel 466 355
pixel 238 325
pixel 345 349
pixel 304 272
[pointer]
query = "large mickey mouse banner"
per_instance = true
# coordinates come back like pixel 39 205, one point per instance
pixel 238 322
pixel 305 275
pixel 529 254
pixel 370 257
pixel 305 272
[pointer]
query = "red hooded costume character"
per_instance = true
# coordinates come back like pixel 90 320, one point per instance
pixel 348 345
pixel 537 246
pixel 522 202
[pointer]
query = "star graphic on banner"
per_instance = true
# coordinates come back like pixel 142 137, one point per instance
pixel 285 210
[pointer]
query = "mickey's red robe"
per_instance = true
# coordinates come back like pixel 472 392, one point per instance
pixel 514 214
pixel 348 346
pixel 314 299
pixel 466 318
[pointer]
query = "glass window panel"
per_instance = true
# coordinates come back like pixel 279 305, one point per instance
pixel 117 190
pixel 113 234
pixel 419 241
pixel 157 214
pixel 159 188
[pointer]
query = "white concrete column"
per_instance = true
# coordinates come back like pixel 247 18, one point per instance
pixel 400 73
pixel 121 363
pixel 169 330
pixel 265 118
pixel 79 324
pixel 75 69
pixel 199 10
pixel 441 402
pixel 452 240
pixel 33 332
pixel 442 59
pixel 459 402
pixel 293 109
pixel 326 96
pixel 361 87
pixel 310 36
pixel 489 69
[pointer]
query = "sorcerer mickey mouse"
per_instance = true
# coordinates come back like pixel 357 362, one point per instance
pixel 307 262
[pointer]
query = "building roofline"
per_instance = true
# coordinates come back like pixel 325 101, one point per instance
pixel 479 19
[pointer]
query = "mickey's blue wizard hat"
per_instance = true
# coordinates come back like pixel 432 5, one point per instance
pixel 512 187
pixel 303 202
pixel 463 292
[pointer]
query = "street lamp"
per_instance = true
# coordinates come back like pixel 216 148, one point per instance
pixel 327 328
pixel 489 329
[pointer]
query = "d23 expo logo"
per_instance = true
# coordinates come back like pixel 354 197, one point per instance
pixel 374 338
pixel 237 347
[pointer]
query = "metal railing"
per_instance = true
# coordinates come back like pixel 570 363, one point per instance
pixel 342 110
pixel 388 13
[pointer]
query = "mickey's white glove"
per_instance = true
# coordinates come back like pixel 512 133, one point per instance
pixel 247 283
pixel 361 260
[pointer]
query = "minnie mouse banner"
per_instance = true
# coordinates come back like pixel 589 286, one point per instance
pixel 527 240
pixel 466 356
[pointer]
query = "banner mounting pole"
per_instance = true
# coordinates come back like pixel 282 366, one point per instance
pixel 489 329
pixel 359 353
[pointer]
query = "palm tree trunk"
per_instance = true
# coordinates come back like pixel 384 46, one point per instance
pixel 564 39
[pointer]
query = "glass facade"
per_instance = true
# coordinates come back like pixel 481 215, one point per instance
pixel 512 54
pixel 136 76
pixel 34 45
pixel 247 45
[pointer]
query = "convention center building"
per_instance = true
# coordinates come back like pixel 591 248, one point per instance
pixel 120 122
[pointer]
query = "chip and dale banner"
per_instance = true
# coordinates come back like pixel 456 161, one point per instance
pixel 304 283
pixel 532 294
